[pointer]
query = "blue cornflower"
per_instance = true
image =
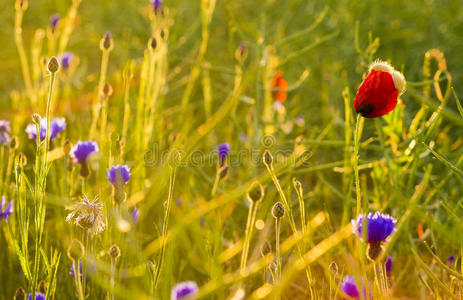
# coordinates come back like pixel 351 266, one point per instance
pixel 72 272
pixel 54 19
pixel 57 125
pixel 379 226
pixel 81 151
pixel 66 59
pixel 4 132
pixel 119 175
pixel 5 209
pixel 349 287
pixel 156 4
pixel 388 266
pixel 222 151
pixel 38 296
pixel 184 291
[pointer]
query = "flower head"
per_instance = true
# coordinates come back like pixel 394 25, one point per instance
pixel 54 19
pixel 184 291
pixel 388 266
pixel 87 215
pixel 379 226
pixel 349 287
pixel 38 296
pixel 66 59
pixel 57 125
pixel 81 151
pixel 280 86
pixel 119 175
pixel 379 91
pixel 5 209
pixel 157 4
pixel 4 132
pixel 223 150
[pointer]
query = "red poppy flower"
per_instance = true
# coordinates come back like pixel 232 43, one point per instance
pixel 379 91
pixel 280 86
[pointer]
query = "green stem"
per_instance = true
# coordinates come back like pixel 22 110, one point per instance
pixel 277 249
pixel 248 234
pixel 358 132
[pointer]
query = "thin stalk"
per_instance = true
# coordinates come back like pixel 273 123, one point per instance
pixel 357 135
pixel 248 234
pixel 78 283
pixel 300 197
pixel 113 274
pixel 165 226
pixel 102 80
pixel 277 248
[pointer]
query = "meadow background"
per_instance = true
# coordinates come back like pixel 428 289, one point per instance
pixel 324 49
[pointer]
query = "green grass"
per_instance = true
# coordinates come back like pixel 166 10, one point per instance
pixel 170 108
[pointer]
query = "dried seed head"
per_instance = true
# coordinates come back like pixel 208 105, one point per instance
pixel 67 147
pixel 255 192
pixel 152 43
pixel 267 158
pixel 53 65
pixel 334 268
pixel 107 90
pixel 106 43
pixel 114 251
pixel 14 142
pixel 76 250
pixel 278 210
pixel 266 248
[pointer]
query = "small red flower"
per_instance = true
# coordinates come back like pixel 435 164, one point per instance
pixel 379 91
pixel 280 87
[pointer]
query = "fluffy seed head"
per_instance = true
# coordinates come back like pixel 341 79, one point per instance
pixel 87 215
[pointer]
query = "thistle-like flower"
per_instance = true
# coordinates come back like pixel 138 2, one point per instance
pixel 119 175
pixel 38 296
pixel 379 228
pixel 4 132
pixel 57 125
pixel 6 209
pixel 223 150
pixel 81 152
pixel 157 5
pixel 88 215
pixel 187 290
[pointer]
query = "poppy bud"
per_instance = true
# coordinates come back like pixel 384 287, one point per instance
pixel 378 93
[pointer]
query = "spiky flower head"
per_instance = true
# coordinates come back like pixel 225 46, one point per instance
pixel 223 150
pixel 38 296
pixel 88 215
pixel 119 175
pixel 4 132
pixel 82 151
pixel 6 209
pixel 187 290
pixel 57 125
pixel 349 287
pixel 380 226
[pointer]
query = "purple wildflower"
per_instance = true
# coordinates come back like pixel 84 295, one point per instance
pixel 349 287
pixel 388 266
pixel 119 175
pixel 81 151
pixel 5 209
pixel 66 59
pixel 72 272
pixel 451 261
pixel 156 4
pixel 54 19
pixel 184 291
pixel 57 125
pixel 380 226
pixel 135 215
pixel 38 296
pixel 4 132
pixel 223 150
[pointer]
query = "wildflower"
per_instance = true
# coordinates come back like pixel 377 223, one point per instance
pixel 118 176
pixel 81 152
pixel 184 291
pixel 54 20
pixel 157 5
pixel 451 261
pixel 280 86
pixel 5 209
pixel 4 132
pixel 378 93
pixel 38 296
pixel 223 150
pixel 66 60
pixel 349 287
pixel 72 272
pixel 379 226
pixel 87 215
pixel 135 215
pixel 57 125
pixel 388 266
